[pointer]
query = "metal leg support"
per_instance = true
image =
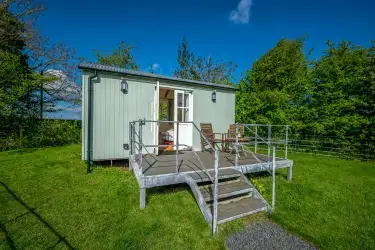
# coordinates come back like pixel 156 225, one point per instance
pixel 289 176
pixel 142 198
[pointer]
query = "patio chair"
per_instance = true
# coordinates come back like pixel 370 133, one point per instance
pixel 231 136
pixel 207 132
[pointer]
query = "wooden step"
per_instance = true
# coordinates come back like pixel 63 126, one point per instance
pixel 227 173
pixel 226 189
pixel 239 208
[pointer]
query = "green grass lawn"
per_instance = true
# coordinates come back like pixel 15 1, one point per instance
pixel 330 202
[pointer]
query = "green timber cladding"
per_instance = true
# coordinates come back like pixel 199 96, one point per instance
pixel 112 110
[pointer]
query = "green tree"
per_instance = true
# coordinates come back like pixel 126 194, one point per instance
pixel 343 94
pixel 202 68
pixel 121 56
pixel 274 89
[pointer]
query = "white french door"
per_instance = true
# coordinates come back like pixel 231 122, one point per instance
pixel 183 112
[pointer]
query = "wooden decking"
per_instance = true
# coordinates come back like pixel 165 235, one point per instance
pixel 153 165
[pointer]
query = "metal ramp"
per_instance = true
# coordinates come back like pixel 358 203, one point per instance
pixel 237 197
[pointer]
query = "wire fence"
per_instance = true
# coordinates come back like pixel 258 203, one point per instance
pixel 332 146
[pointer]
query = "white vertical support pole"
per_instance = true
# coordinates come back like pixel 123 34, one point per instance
pixel 142 197
pixel 269 143
pixel 140 144
pixel 216 193
pixel 236 161
pixel 177 146
pixel 273 178
pixel 156 124
pixel 130 145
pixel 133 140
pixel 286 141
pixel 256 138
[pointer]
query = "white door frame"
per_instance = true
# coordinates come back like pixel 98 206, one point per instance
pixel 156 110
pixel 190 107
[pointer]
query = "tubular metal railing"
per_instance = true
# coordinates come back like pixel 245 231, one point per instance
pixel 133 142
pixel 271 166
pixel 136 143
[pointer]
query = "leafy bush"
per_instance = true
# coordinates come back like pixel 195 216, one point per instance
pixel 45 133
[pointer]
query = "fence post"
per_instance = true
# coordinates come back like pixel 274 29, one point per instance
pixel 21 137
pixel 216 193
pixel 177 146
pixel 286 141
pixel 256 138
pixel 236 161
pixel 273 178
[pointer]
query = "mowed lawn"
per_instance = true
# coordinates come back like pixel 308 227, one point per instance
pixel 47 200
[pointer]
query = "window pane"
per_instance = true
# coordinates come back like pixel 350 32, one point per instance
pixel 180 115
pixel 186 97
pixel 186 114
pixel 179 100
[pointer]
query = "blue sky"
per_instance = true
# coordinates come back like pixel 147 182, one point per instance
pixel 240 31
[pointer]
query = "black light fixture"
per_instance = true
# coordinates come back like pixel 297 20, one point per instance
pixel 213 96
pixel 124 86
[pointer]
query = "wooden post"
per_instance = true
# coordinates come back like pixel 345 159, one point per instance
pixel 216 193
pixel 21 137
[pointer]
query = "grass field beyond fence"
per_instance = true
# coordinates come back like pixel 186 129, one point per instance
pixel 46 200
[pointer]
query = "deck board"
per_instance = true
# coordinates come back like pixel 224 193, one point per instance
pixel 188 162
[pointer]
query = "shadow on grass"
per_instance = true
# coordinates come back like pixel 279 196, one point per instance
pixel 30 210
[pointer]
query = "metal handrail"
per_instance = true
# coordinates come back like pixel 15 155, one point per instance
pixel 215 180
pixel 176 145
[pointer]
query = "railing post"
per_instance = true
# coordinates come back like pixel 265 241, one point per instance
pixel 256 138
pixel 133 135
pixel 286 141
pixel 236 161
pixel 177 146
pixel 269 143
pixel 130 145
pixel 273 178
pixel 216 193
pixel 140 142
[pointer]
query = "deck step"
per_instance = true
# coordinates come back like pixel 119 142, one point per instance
pixel 227 173
pixel 226 190
pixel 239 208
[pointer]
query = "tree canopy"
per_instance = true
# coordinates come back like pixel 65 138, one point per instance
pixel 330 96
pixel 121 56
pixel 202 68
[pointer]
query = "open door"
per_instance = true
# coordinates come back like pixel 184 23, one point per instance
pixel 183 112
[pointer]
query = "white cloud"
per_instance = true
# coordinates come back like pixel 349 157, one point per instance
pixel 155 67
pixel 242 13
pixel 63 88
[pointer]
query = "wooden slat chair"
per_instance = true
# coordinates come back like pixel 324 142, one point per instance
pixel 206 129
pixel 231 136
